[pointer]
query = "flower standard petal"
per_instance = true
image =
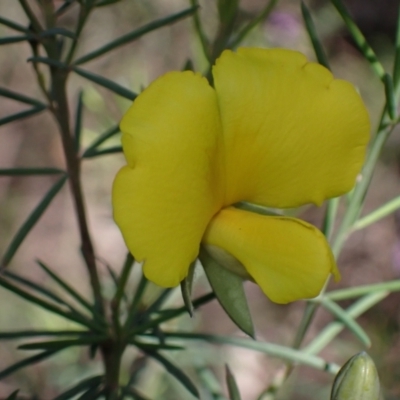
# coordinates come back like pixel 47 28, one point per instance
pixel 288 258
pixel 166 195
pixel 293 134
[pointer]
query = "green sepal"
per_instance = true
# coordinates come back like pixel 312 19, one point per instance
pixel 186 288
pixel 229 291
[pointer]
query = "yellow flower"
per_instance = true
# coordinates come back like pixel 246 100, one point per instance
pixel 276 131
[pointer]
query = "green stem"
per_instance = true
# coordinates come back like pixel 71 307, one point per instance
pixel 73 166
pixel 112 353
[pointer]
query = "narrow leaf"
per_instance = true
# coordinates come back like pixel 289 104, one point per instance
pixel 390 99
pixel 326 335
pixel 186 288
pixel 351 292
pixel 34 286
pixel 347 321
pixel 359 39
pixel 22 114
pixel 396 64
pixel 80 319
pixel 13 25
pixel 102 152
pixel 29 333
pixel 271 349
pixel 157 304
pixel 30 171
pixel 230 293
pixel 48 61
pixel 92 393
pixel 108 84
pixel 167 315
pixel 88 383
pixel 61 344
pixel 264 14
pixel 70 290
pixel 133 393
pixel 26 362
pixel 175 372
pixel 123 280
pixel 64 7
pixel 103 3
pixel 21 97
pixel 133 309
pixel 31 221
pixel 233 389
pixel 78 121
pixel 312 33
pixel 100 140
pixel 378 214
pixel 210 383
pixel 136 34
pixel 156 346
pixel 14 39
pixel 205 44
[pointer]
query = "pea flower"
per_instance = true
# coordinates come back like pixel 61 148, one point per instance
pixel 276 131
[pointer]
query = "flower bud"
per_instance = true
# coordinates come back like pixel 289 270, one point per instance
pixel 357 380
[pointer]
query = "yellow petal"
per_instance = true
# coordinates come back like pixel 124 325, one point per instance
pixel 293 134
pixel 288 258
pixel 165 197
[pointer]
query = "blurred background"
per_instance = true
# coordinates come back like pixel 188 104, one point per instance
pixel 371 255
